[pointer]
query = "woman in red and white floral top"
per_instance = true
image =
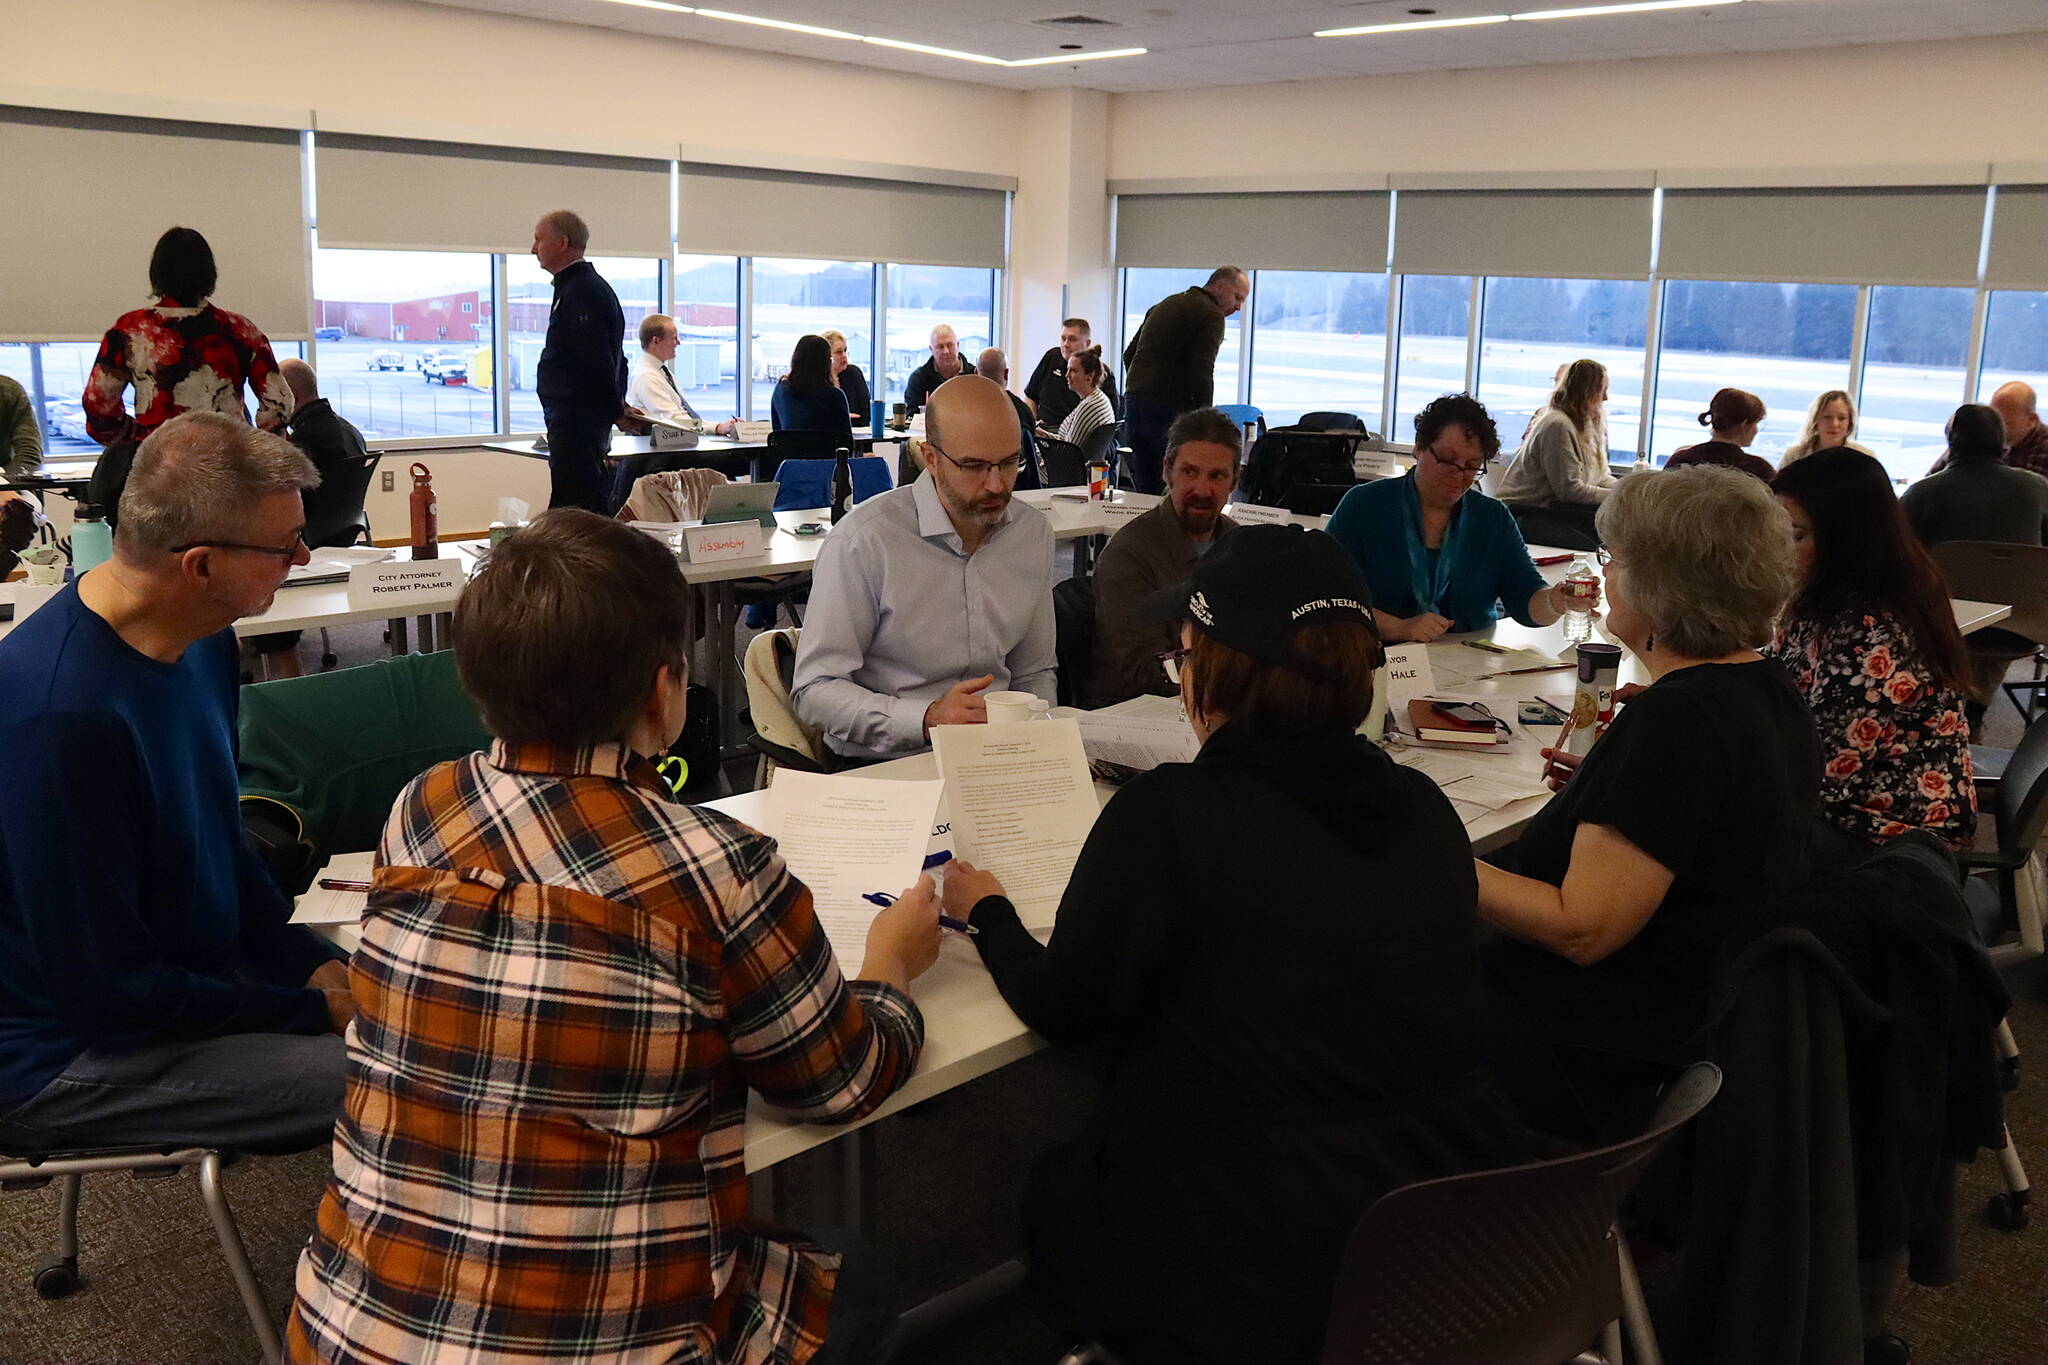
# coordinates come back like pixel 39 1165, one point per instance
pixel 183 354
pixel 1871 642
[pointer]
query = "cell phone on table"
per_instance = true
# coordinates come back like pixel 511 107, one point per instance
pixel 1537 711
pixel 1463 712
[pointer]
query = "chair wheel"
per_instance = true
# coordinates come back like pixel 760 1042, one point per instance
pixel 56 1277
pixel 330 660
pixel 1887 1349
pixel 2006 1213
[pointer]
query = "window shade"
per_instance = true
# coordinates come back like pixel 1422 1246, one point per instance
pixel 2019 238
pixel 1322 230
pixel 443 196
pixel 739 211
pixel 1546 234
pixel 1824 236
pixel 93 193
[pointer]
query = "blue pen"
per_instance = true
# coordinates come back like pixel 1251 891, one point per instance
pixel 939 859
pixel 958 926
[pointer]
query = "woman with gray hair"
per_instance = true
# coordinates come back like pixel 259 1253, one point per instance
pixel 1698 800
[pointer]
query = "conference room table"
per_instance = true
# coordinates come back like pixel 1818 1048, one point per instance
pixel 737 457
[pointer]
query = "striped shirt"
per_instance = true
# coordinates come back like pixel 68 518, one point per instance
pixel 566 987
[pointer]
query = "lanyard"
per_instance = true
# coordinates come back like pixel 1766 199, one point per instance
pixel 1429 586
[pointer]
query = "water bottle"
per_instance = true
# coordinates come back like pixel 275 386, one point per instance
pixel 426 515
pixel 1581 580
pixel 92 542
pixel 842 484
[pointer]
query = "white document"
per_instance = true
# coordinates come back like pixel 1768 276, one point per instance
pixel 1137 741
pixel 845 837
pixel 1022 804
pixel 321 906
pixel 1410 674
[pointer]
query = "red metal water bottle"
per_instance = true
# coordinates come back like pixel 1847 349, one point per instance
pixel 426 515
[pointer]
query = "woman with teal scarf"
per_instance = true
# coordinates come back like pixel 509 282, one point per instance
pixel 1439 555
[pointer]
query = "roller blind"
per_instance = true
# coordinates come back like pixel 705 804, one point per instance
pixel 739 211
pixel 444 196
pixel 1547 234
pixel 1824 236
pixel 92 194
pixel 1321 230
pixel 2019 238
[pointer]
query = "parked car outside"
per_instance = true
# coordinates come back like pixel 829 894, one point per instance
pixel 386 360
pixel 446 369
pixel 327 334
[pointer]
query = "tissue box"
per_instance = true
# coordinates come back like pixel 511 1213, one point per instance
pixel 724 540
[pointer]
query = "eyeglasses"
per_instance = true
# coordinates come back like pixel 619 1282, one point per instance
pixel 1170 660
pixel 1602 558
pixel 1468 470
pixel 979 469
pixel 290 551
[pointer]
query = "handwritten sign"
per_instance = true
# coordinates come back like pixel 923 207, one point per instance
pixel 671 436
pixel 1408 676
pixel 724 540
pixel 404 586
pixel 1252 514
pixel 1374 464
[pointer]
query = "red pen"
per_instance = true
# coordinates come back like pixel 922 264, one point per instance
pixel 339 884
pixel 1549 560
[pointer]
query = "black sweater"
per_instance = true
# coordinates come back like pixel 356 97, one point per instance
pixel 582 365
pixel 1276 942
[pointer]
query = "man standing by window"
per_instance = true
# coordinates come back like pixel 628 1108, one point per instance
pixel 581 377
pixel 1170 367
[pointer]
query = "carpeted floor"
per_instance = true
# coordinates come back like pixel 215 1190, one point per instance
pixel 156 1290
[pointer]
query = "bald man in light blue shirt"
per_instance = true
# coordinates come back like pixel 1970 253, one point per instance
pixel 928 595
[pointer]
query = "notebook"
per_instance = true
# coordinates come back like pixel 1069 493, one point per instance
pixel 1433 725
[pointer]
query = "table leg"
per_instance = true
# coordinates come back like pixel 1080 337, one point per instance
pixel 444 623
pixel 396 625
pixel 729 681
pixel 857 1181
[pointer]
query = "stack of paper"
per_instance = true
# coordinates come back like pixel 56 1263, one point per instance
pixel 1022 804
pixel 331 565
pixel 847 837
pixel 321 906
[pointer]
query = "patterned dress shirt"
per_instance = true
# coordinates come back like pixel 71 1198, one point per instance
pixel 182 360
pixel 567 985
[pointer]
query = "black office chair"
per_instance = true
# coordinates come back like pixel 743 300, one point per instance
pixel 334 510
pixel 1568 528
pixel 1066 465
pixel 1101 445
pixel 1306 472
pixel 1073 617
pixel 1331 421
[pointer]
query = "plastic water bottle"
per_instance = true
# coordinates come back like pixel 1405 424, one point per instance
pixel 1581 581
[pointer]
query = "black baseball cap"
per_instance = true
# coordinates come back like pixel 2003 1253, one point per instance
pixel 1261 582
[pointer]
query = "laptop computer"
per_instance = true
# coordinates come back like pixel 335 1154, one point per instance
pixel 742 502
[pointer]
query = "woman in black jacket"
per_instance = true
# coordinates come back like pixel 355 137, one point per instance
pixel 1277 944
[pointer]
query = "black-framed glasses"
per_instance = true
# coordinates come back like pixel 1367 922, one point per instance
pixel 1469 471
pixel 980 469
pixel 1170 660
pixel 285 552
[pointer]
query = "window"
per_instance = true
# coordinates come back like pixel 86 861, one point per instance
pixel 1320 344
pixel 1785 343
pixel 411 361
pixel 530 293
pixel 920 298
pixel 803 298
pixel 706 366
pixel 1530 328
pixel 1913 360
pixel 1436 314
pixel 1145 286
pixel 59 369
pixel 2015 342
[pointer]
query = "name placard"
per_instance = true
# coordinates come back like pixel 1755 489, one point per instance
pixel 667 436
pixel 751 433
pixel 1116 513
pixel 724 540
pixel 1408 676
pixel 1253 514
pixel 1374 464
pixel 405 585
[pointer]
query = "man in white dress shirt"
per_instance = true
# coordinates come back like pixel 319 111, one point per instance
pixel 928 594
pixel 651 389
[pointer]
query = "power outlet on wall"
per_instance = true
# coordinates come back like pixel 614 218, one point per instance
pixel 390 480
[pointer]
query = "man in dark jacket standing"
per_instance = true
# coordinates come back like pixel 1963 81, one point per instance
pixel 581 377
pixel 1170 367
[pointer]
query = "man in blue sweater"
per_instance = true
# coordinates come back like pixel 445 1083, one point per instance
pixel 151 986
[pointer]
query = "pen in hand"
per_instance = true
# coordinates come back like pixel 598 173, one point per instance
pixel 958 926
pixel 342 884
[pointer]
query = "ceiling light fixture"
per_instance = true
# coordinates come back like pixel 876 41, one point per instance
pixel 783 24
pixel 1527 16
pixel 1412 26
pixel 1638 7
pixel 1065 57
pixel 898 43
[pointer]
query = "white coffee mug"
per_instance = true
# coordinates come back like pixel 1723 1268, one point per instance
pixel 1007 707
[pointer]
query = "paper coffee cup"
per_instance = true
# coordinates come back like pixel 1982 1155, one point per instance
pixel 1007 707
pixel 44 574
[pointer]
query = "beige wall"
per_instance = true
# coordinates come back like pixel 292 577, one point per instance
pixel 383 65
pixel 1059 224
pixel 1978 100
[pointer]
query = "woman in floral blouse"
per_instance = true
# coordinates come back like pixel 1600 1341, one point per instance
pixel 183 354
pixel 1872 644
